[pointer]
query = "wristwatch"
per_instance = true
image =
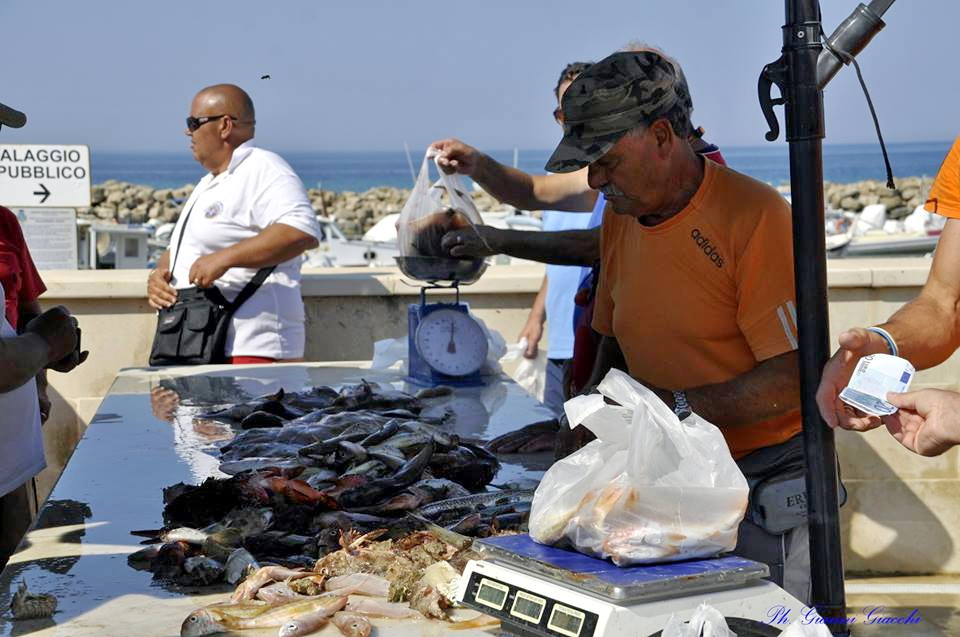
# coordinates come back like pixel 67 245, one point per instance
pixel 680 405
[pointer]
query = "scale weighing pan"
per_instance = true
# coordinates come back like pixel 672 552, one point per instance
pixel 620 584
pixel 432 269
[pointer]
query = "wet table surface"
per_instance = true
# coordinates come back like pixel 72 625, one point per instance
pixel 113 484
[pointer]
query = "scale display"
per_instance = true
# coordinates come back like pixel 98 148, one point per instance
pixel 528 607
pixel 451 342
pixel 492 594
pixel 521 606
pixel 566 621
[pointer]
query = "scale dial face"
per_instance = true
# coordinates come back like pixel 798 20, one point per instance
pixel 451 342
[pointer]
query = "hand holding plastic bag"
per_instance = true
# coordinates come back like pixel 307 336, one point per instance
pixel 432 211
pixel 649 489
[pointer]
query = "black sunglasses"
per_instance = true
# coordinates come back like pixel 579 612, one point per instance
pixel 193 123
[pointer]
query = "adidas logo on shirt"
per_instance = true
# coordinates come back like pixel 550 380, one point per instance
pixel 708 248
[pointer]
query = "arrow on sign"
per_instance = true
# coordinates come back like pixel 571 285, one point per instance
pixel 42 192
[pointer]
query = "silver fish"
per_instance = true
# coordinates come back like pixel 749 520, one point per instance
pixel 239 564
pixel 253 464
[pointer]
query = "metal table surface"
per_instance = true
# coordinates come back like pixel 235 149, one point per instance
pixel 113 484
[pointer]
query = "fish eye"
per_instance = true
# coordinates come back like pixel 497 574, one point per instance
pixel 193 618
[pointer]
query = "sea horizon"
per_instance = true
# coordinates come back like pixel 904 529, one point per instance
pixel 357 170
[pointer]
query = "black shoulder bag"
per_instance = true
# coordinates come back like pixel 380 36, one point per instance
pixel 193 331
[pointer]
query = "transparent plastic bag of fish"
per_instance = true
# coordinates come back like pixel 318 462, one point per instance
pixel 649 489
pixel 432 211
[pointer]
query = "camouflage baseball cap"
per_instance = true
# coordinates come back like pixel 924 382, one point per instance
pixel 611 98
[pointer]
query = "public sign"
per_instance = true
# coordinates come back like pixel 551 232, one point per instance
pixel 44 175
pixel 51 235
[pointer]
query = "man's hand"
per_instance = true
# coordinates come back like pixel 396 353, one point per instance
pixel 208 269
pixel 160 294
pixel 854 345
pixel 569 440
pixel 457 157
pixel 928 422
pixel 473 242
pixel 58 329
pixel 533 332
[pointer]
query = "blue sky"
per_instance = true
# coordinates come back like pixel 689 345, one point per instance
pixel 370 75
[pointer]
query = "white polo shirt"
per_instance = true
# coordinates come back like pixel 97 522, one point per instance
pixel 257 190
pixel 21 440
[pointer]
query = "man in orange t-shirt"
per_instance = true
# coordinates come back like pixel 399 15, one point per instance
pixel 925 331
pixel 696 284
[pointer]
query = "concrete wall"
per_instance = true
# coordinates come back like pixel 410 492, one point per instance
pixel 899 518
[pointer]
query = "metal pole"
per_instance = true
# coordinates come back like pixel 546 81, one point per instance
pixel 804 131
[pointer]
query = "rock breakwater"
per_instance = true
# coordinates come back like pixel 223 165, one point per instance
pixel 909 193
pixel 354 212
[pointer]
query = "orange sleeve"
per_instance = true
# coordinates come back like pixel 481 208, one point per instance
pixel 603 301
pixel 766 309
pixel 944 197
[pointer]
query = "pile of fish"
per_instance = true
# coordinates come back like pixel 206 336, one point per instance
pixel 414 577
pixel 309 466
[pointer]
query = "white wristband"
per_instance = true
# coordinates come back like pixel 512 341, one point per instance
pixel 891 344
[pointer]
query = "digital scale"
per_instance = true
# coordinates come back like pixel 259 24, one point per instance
pixel 445 344
pixel 542 591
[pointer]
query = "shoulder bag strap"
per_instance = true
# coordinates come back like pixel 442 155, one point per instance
pixel 183 229
pixel 251 287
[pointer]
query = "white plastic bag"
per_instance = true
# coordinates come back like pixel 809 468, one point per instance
pixel 530 373
pixel 706 621
pixel 388 352
pixel 649 489
pixel 432 211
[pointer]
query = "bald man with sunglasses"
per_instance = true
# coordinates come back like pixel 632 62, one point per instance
pixel 249 212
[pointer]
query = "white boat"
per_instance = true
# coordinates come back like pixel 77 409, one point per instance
pixel 870 233
pixel 336 250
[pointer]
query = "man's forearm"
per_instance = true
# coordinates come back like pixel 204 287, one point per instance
pixel 538 311
pixel 563 247
pixel 925 331
pixel 21 359
pixel 534 192
pixel 272 246
pixel 770 389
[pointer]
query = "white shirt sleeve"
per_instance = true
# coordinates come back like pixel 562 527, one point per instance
pixel 285 201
